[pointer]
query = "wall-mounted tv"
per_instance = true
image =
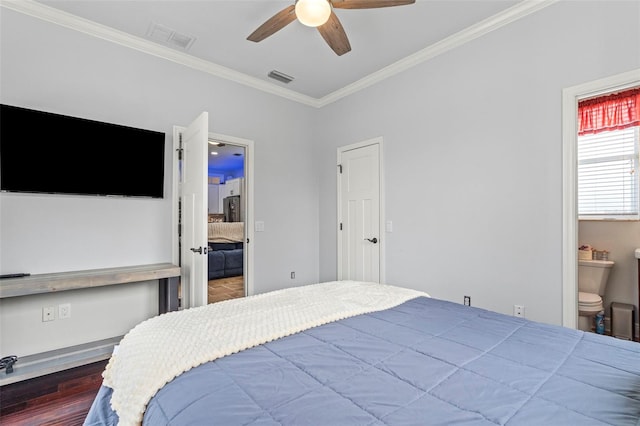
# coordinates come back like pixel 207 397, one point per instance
pixel 42 152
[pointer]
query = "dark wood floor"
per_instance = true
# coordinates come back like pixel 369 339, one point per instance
pixel 62 398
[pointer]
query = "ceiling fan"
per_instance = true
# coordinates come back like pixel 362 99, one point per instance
pixel 319 13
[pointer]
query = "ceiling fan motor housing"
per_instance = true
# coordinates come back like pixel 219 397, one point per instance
pixel 313 13
pixel 319 14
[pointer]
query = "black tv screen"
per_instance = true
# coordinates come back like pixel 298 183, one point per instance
pixel 42 152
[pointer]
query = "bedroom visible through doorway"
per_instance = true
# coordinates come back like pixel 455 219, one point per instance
pixel 226 220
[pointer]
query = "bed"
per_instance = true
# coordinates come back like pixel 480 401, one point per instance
pixel 354 353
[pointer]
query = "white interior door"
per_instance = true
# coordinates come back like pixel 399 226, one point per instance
pixel 194 246
pixel 359 245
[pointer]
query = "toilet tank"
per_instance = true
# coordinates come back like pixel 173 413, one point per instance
pixel 593 275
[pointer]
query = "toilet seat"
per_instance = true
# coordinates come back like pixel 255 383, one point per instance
pixel 589 303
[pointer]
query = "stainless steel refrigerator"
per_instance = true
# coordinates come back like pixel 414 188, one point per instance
pixel 232 209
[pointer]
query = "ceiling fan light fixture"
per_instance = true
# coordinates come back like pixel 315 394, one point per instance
pixel 313 13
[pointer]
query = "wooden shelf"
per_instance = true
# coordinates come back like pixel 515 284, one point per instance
pixel 64 281
pixel 36 365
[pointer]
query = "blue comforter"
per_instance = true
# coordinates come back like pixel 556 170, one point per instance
pixel 426 361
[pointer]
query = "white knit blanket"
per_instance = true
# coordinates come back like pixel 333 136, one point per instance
pixel 161 348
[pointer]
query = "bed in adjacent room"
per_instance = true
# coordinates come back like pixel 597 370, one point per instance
pixel 354 353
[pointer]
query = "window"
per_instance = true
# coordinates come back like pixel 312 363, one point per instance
pixel 608 157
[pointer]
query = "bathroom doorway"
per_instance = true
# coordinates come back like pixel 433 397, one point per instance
pixel 573 236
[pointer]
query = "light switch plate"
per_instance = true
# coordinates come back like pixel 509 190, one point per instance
pixel 64 311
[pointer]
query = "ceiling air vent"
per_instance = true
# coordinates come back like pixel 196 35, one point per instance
pixel 281 77
pixel 170 37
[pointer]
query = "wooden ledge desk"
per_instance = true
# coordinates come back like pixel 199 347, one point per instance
pixel 167 275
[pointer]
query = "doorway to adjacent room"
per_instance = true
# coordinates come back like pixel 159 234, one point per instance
pixel 227 204
pixel 570 242
pixel 222 232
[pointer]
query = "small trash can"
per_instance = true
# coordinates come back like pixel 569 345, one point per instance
pixel 622 324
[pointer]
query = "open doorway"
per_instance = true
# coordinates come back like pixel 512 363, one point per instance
pixel 224 182
pixel 226 221
pixel 570 241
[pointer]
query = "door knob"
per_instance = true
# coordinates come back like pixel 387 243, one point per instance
pixel 200 250
pixel 373 240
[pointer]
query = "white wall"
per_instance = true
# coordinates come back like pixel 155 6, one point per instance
pixel 51 68
pixel 473 156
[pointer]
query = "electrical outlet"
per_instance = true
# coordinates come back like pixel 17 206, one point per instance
pixel 64 311
pixel 48 313
pixel 518 311
pixel 293 275
pixel 467 300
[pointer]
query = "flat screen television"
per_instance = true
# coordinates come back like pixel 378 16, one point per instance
pixel 42 152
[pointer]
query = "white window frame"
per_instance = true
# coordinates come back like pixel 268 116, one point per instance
pixel 635 157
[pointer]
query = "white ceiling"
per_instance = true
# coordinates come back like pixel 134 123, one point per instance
pixel 379 37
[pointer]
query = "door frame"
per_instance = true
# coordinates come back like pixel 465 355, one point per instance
pixel 382 216
pixel 247 144
pixel 570 98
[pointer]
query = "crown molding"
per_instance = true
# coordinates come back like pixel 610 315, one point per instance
pixel 56 16
pixel 59 17
pixel 477 30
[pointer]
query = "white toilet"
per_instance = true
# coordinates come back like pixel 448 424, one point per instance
pixel 592 282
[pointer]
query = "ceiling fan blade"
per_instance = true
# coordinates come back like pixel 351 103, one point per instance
pixel 368 4
pixel 274 24
pixel 333 33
